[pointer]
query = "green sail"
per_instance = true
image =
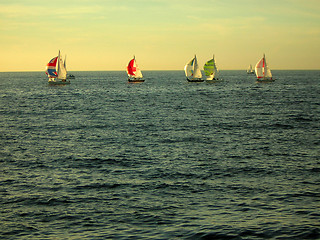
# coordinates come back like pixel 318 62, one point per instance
pixel 209 67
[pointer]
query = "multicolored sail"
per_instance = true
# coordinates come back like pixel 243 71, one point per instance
pixel 51 68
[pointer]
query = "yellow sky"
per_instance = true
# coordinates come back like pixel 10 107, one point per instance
pixel 162 34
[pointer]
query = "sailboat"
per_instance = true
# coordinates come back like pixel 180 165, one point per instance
pixel 211 70
pixel 192 70
pixel 250 70
pixel 263 72
pixel 134 73
pixel 56 71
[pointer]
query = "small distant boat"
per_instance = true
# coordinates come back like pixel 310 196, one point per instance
pixel 70 76
pixel 263 72
pixel 250 70
pixel 211 70
pixel 192 71
pixel 57 71
pixel 134 73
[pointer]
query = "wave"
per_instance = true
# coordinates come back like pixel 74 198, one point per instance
pixel 290 232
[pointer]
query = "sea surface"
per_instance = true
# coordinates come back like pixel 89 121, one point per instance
pixel 164 159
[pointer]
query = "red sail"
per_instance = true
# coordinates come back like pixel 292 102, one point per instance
pixel 131 68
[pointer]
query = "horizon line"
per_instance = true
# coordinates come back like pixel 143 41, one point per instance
pixel 275 69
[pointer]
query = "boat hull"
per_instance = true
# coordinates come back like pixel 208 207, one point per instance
pixel 266 80
pixel 135 80
pixel 195 80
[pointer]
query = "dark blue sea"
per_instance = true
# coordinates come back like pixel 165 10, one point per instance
pixel 164 159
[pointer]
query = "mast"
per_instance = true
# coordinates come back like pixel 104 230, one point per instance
pixel 215 69
pixel 58 64
pixel 264 66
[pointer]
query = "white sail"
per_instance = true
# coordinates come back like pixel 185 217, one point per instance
pixel 267 70
pixel 259 68
pixel 188 68
pixel 61 69
pixel 262 70
pixel 192 69
pixel 197 71
pixel 138 71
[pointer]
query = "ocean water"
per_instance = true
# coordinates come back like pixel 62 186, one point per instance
pixel 164 159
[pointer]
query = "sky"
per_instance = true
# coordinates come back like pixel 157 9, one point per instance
pixel 103 35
